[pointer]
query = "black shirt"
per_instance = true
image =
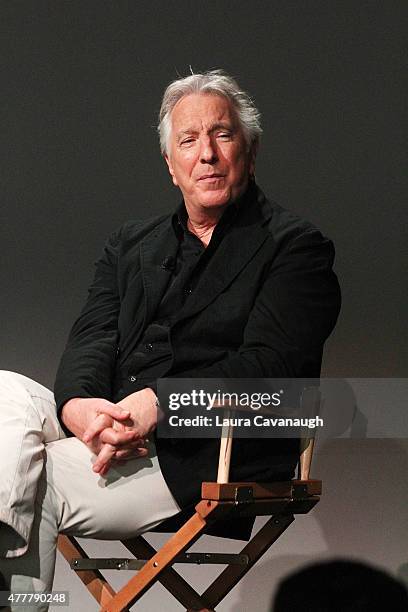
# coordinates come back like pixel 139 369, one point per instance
pixel 152 357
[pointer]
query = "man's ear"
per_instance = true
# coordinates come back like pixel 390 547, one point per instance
pixel 170 167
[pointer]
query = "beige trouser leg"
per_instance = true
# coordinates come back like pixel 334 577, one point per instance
pixel 27 422
pixel 65 496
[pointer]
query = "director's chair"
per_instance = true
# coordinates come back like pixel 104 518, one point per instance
pixel 219 500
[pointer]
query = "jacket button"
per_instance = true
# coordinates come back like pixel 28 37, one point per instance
pixel 149 346
pixel 132 378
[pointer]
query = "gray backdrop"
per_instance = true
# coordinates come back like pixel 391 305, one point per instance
pixel 80 91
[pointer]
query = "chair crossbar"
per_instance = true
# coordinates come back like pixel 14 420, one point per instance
pixel 198 558
pixel 169 578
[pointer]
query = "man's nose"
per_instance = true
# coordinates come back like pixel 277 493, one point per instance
pixel 208 151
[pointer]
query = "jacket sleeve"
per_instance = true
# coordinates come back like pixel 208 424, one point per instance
pixel 294 312
pixel 87 364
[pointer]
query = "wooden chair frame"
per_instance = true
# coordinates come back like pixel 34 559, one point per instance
pixel 219 500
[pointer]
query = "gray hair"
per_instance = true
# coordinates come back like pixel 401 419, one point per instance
pixel 215 82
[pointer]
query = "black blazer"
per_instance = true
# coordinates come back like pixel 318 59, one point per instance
pixel 263 307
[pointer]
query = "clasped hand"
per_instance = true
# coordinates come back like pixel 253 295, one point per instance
pixel 114 432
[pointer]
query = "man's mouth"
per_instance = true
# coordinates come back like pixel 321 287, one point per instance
pixel 210 177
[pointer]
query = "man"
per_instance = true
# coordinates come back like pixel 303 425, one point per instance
pixel 230 285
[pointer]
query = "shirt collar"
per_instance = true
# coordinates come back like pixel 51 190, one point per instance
pixel 228 217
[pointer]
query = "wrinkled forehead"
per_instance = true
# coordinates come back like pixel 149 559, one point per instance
pixel 202 111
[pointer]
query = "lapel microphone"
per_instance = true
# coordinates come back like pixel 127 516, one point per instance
pixel 168 263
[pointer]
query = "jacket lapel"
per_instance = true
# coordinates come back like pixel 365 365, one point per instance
pixel 155 252
pixel 236 249
pixel 160 244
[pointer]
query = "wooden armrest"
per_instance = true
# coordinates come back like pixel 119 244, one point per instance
pixel 264 490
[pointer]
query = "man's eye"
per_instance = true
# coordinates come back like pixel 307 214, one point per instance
pixel 224 135
pixel 187 141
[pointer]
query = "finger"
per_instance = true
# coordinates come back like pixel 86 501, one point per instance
pixel 138 454
pixel 132 426
pixel 117 438
pixel 142 452
pixel 96 427
pixel 128 453
pixel 116 412
pixel 103 459
pixel 122 460
pixel 138 443
pixel 124 454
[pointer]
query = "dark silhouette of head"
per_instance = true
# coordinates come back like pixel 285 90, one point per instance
pixel 340 586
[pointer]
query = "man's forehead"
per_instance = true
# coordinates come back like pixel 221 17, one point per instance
pixel 196 110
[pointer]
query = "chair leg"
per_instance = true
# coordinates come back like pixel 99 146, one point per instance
pixel 134 589
pixel 96 584
pixel 259 544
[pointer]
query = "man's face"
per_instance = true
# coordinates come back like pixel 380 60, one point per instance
pixel 208 157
